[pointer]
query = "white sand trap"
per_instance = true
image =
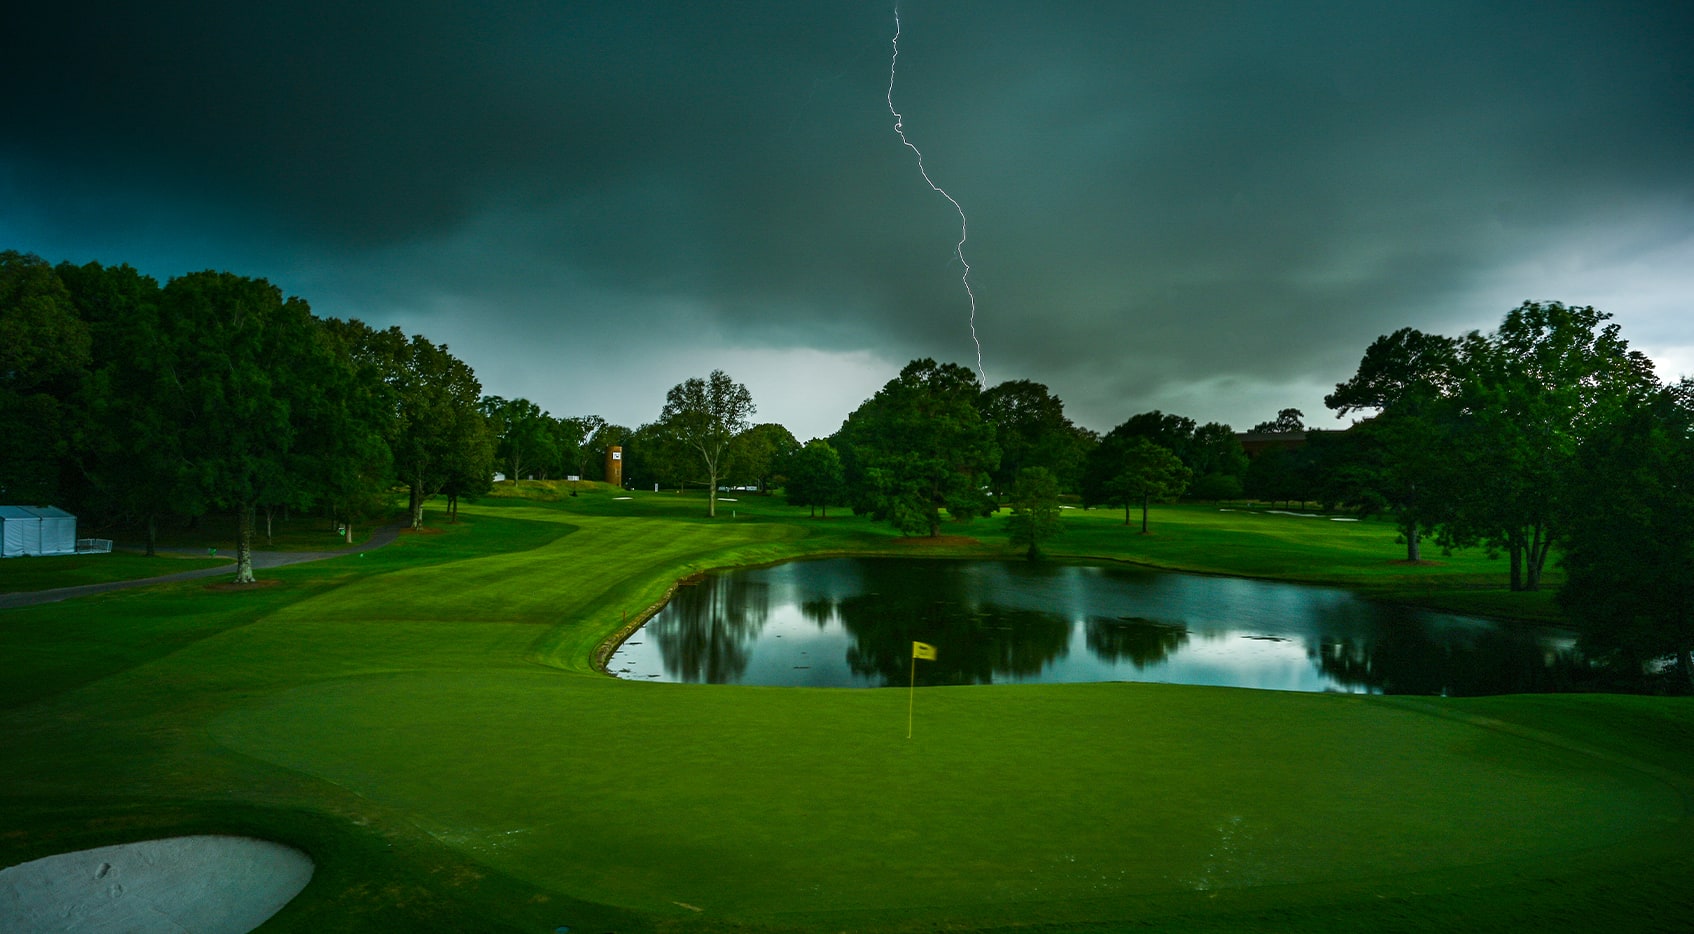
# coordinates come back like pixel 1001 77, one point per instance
pixel 209 885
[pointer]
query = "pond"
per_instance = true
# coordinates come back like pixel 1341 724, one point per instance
pixel 850 622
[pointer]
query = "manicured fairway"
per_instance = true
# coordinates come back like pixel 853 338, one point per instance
pixel 426 722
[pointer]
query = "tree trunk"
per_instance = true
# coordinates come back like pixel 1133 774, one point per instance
pixel 1413 552
pixel 152 535
pixel 244 546
pixel 1515 547
pixel 712 491
pixel 417 504
pixel 270 511
pixel 1127 506
pixel 1537 562
pixel 1144 498
pixel 349 528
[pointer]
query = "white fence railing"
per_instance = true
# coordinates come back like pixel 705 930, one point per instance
pixel 92 546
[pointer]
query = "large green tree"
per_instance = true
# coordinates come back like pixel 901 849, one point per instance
pixel 134 400
pixel 435 429
pixel 1035 510
pixel 815 477
pixel 1032 430
pixel 1397 460
pixel 44 355
pixel 1630 516
pixel 1395 463
pixel 1531 392
pixel 573 438
pixel 652 454
pixel 255 367
pixel 358 480
pixel 1127 470
pixel 918 446
pixel 1211 452
pixel 761 454
pixel 704 416
pixel 1407 365
pixel 1215 456
pixel 523 435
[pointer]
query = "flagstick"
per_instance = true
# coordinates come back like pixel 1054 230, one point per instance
pixel 911 694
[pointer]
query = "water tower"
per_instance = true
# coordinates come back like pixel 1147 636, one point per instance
pixel 614 466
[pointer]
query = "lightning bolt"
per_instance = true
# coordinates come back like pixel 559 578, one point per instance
pixel 964 225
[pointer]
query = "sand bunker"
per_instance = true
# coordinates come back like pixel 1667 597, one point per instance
pixel 210 885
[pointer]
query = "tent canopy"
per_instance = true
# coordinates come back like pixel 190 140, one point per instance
pixel 36 530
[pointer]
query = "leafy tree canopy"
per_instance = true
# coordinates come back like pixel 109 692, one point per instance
pixel 704 416
pixel 1032 431
pixel 1035 510
pixel 918 446
pixel 1128 469
pixel 1630 549
pixel 761 454
pixel 1288 421
pixel 815 477
pixel 1405 364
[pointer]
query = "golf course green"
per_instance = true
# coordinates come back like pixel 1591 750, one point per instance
pixel 427 721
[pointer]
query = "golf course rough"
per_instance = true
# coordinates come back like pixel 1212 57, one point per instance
pixel 430 721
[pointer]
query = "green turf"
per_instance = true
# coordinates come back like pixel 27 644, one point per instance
pixel 22 574
pixel 426 721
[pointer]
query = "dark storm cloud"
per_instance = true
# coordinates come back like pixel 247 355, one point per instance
pixel 1206 205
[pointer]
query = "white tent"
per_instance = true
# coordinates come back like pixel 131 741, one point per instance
pixel 36 530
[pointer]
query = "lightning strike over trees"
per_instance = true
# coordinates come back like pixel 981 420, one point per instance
pixel 964 225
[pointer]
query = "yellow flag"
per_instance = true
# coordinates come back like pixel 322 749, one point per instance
pixel 924 651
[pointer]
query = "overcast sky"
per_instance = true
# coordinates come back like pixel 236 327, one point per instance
pixel 1205 208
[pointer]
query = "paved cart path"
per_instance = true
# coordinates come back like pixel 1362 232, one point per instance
pixel 261 560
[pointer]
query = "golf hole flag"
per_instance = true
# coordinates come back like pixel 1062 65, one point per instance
pixel 926 652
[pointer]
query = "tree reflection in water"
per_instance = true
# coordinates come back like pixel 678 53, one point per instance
pixel 820 610
pixel 1406 653
pixel 852 622
pixel 710 627
pixel 980 643
pixel 1141 642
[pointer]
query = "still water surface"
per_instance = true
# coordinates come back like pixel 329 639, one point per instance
pixel 850 622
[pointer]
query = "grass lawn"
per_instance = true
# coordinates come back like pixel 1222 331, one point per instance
pixel 45 572
pixel 426 721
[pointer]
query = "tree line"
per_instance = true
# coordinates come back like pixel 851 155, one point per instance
pixel 132 401
pixel 137 402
